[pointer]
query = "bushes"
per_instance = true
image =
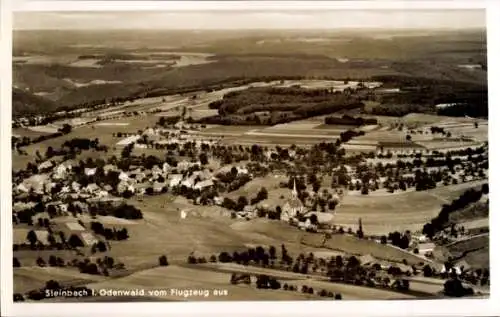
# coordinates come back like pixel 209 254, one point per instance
pixel 224 257
pixel 127 212
pixel 163 260
pixel 18 297
pixel 348 120
pixel 439 222
pixel 428 272
pixel 454 288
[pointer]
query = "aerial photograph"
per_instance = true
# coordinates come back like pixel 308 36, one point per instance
pixel 288 155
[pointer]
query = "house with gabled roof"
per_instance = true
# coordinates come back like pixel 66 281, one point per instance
pixel 45 166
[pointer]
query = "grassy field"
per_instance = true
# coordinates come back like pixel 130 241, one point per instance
pixel 22 132
pixel 402 211
pixel 30 278
pixel 192 278
pixel 475 251
pixel 102 130
pixel 350 292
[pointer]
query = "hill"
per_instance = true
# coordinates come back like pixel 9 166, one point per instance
pixel 27 103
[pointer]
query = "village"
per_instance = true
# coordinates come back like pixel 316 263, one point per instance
pixel 58 198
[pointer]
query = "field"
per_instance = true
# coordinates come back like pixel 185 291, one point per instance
pixel 30 278
pixel 206 281
pixel 474 251
pixel 382 214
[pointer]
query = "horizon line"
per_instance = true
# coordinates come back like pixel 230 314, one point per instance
pixel 257 29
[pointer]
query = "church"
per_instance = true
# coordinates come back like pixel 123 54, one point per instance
pixel 293 207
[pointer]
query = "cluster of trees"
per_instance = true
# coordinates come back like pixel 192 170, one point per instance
pixel 422 94
pixel 168 120
pixel 348 120
pixel 454 288
pixel 353 272
pixel 346 136
pixel 100 267
pixel 126 211
pixel 437 130
pixel 397 239
pixel 83 144
pixel 261 195
pixel 234 181
pixel 34 244
pixel 53 261
pixel 264 281
pixel 475 109
pixel 442 220
pixel 338 269
pixel 110 234
pixel 272 105
pixel 398 110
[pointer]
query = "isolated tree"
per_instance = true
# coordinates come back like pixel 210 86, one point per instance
pixel 262 194
pixel 314 219
pixel 40 262
pixel 272 252
pixel 32 238
pixel 163 260
pixel 66 128
pixel 75 241
pixel 427 271
pixel 203 159
pixel 52 260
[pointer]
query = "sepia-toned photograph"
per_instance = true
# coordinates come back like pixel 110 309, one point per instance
pixel 249 155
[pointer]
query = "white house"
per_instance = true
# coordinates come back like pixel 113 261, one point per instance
pixel 204 184
pixel 166 167
pixel 183 166
pixel 108 168
pixel 218 200
pixel 60 172
pixel 90 171
pixel 102 193
pixel 92 188
pixel 175 180
pixel 242 170
pixel 22 188
pixel 123 176
pixel 45 165
pixel 75 186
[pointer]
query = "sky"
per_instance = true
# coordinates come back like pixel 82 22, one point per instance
pixel 326 19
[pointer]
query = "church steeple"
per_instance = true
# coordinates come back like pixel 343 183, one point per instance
pixel 294 191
